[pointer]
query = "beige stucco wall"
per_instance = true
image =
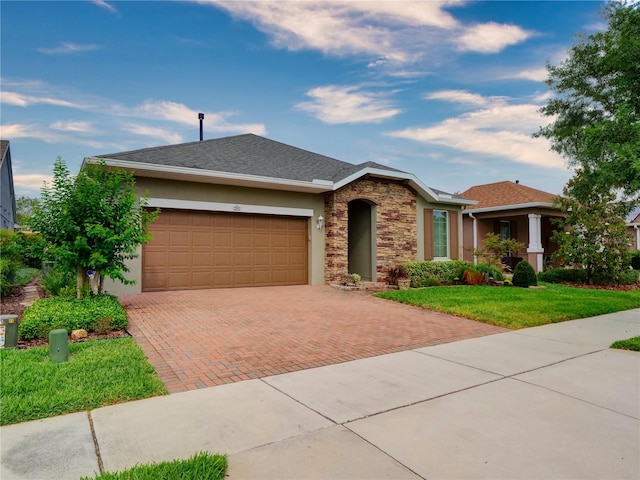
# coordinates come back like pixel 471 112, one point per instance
pixel 201 192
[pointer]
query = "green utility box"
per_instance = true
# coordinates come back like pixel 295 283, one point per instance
pixel 58 345
pixel 9 331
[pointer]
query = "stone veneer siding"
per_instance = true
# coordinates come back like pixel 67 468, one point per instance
pixel 395 229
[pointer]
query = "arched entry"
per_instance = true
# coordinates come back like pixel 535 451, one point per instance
pixel 361 239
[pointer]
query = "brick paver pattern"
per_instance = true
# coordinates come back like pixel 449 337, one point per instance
pixel 202 338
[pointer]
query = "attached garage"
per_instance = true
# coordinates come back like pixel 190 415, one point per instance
pixel 199 250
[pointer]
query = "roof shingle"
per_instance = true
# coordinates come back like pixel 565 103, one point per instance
pixel 505 193
pixel 247 154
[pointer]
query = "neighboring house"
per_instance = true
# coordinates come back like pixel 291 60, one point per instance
pixel 633 227
pixel 511 210
pixel 249 211
pixel 7 194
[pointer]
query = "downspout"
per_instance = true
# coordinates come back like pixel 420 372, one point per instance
pixel 637 228
pixel 475 237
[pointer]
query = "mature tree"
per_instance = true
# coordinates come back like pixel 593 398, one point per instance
pixel 596 108
pixel 24 209
pixel 594 234
pixel 92 221
pixel 596 127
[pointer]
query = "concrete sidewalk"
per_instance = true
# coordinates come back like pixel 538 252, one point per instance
pixel 545 402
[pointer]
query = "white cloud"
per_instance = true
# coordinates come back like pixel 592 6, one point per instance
pixel 105 5
pixel 21 130
pixel 392 33
pixel 71 126
pixel 67 48
pixel 491 37
pixel 166 136
pixel 501 130
pixel 457 96
pixel 22 100
pixel 31 181
pixel 334 104
pixel 534 74
pixel 180 113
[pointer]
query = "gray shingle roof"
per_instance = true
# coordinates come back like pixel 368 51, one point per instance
pixel 247 154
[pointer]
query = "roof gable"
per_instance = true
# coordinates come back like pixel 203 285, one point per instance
pixel 253 161
pixel 506 194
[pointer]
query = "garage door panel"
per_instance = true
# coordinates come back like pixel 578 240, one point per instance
pixel 243 239
pixel 179 238
pixel 222 239
pixel 201 238
pixel 221 250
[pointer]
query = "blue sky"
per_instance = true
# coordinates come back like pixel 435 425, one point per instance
pixel 449 91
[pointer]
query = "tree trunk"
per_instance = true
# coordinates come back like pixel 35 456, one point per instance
pixel 101 284
pixel 79 281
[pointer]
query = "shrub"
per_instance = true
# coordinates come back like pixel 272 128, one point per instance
pixel 560 275
pixel 491 271
pixel 629 277
pixel 399 271
pixel 57 281
pixel 472 276
pixel 8 269
pixel 524 275
pixel 421 273
pixel 635 261
pixel 89 313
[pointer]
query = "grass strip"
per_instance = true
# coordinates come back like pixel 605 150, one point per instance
pixel 629 344
pixel 515 308
pixel 202 466
pixel 98 373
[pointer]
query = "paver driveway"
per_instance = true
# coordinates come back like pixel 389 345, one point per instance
pixel 202 338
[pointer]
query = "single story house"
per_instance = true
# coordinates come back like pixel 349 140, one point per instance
pixel 249 211
pixel 511 210
pixel 7 193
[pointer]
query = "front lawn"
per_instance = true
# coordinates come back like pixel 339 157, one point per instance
pixel 513 307
pixel 98 373
pixel 629 344
pixel 202 466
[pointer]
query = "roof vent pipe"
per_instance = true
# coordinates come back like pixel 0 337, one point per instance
pixel 201 118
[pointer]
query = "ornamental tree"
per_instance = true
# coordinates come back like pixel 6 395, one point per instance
pixel 92 221
pixel 593 236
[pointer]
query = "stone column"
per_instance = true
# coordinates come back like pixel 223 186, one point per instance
pixel 535 252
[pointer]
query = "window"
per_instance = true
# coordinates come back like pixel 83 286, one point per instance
pixel 440 234
pixel 505 230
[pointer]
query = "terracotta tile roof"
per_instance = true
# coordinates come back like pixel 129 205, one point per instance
pixel 505 193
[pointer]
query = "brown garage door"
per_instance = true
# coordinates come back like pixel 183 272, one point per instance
pixel 194 250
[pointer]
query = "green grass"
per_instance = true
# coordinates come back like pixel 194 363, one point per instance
pixel 202 466
pixel 98 373
pixel 629 344
pixel 513 307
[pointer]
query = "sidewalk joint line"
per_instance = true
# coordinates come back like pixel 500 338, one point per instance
pixel 385 453
pixel 95 442
pixel 297 401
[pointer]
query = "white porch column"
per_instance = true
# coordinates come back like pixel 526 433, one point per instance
pixel 535 251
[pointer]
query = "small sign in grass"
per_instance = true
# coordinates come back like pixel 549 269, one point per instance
pixel 202 466
pixel 98 373
pixel 513 307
